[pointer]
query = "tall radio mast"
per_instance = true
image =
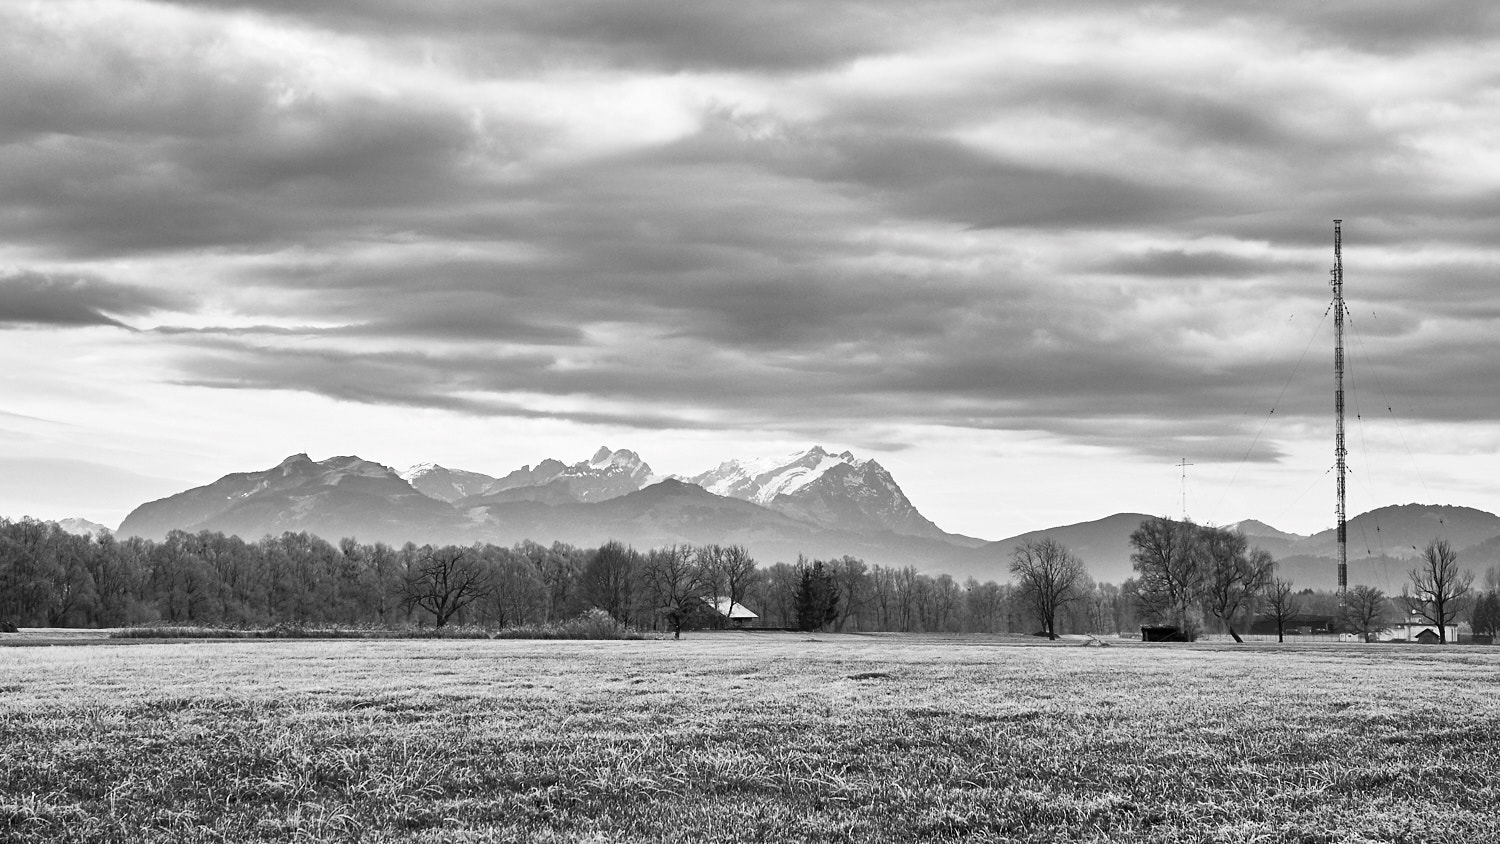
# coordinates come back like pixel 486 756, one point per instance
pixel 1339 451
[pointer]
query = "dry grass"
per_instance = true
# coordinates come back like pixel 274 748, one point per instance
pixel 754 737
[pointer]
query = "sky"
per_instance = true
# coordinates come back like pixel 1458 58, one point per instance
pixel 1031 256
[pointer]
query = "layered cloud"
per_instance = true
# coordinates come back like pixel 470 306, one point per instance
pixel 1104 222
pixel 36 299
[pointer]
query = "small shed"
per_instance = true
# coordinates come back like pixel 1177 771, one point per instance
pixel 1162 633
pixel 737 614
pixel 1428 636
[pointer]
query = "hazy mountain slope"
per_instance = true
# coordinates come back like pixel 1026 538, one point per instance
pixel 1310 562
pixel 675 512
pixel 346 496
pixel 82 526
pixel 337 497
pixel 1103 544
pixel 1307 572
pixel 446 484
pixel 1403 530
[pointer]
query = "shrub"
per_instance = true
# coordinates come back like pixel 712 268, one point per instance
pixel 594 624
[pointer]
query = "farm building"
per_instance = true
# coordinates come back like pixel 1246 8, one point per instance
pixel 737 614
pixel 1416 631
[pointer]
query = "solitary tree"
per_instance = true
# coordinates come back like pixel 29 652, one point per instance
pixel 1050 577
pixel 1439 588
pixel 1365 611
pixel 1169 576
pixel 1235 574
pixel 738 569
pixel 675 584
pixel 609 579
pixel 1281 604
pixel 444 581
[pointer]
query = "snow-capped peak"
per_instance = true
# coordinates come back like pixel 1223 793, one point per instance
pixel 761 480
pixel 418 471
pixel 837 490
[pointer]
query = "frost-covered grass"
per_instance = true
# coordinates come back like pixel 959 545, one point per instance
pixel 595 624
pixel 747 737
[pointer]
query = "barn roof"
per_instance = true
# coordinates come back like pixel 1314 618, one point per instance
pixel 733 610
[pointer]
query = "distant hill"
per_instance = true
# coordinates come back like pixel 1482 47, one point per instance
pixel 1382 544
pixel 82 526
pixel 334 498
pixel 1103 544
pixel 1277 543
pixel 1402 531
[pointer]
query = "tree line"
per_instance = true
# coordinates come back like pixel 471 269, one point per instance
pixel 1189 576
pixel 49 577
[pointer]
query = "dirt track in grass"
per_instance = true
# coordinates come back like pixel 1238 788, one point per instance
pixel 749 737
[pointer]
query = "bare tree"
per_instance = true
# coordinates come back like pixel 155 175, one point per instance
pixel 1050 577
pixel 728 572
pixel 1281 605
pixel 1365 611
pixel 1439 588
pixel 609 579
pixel 710 562
pixel 737 568
pixel 1169 581
pixel 1234 574
pixel 674 583
pixel 853 579
pixel 443 582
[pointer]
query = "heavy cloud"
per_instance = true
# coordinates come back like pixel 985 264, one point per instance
pixel 1103 222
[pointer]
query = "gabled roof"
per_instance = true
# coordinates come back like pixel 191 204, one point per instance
pixel 733 610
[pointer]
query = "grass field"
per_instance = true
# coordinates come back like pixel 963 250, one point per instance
pixel 748 737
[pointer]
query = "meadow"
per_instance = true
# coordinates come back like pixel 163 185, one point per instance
pixel 748 737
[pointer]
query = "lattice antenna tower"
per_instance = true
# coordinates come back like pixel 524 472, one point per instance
pixel 1183 464
pixel 1340 453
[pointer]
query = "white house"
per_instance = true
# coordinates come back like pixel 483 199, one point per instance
pixel 1409 630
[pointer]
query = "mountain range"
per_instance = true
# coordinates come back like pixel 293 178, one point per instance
pixel 812 502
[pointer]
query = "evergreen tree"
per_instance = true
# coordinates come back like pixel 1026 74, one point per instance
pixel 817 596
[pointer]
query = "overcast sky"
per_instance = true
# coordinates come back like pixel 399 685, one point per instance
pixel 1028 255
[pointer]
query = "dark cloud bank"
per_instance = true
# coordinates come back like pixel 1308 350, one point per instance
pixel 803 257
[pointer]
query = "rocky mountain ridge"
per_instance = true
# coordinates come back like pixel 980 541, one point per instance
pixel 349 496
pixel 814 502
